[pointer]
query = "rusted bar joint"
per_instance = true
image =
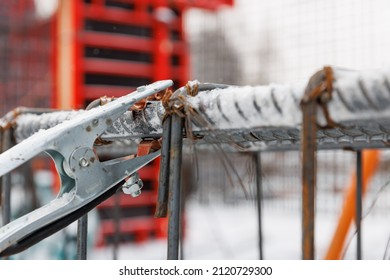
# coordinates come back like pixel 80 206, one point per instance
pixel 318 93
pixel 169 195
pixel 141 105
pixel 137 107
pixel 174 104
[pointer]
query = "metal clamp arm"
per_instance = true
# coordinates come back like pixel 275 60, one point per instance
pixel 85 181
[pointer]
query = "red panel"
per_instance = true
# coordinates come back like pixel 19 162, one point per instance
pixel 96 91
pixel 78 53
pixel 145 199
pixel 129 225
pixel 124 42
pixel 115 15
pixel 116 41
pixel 203 4
pixel 162 46
pixel 54 61
pixel 111 67
pixel 149 172
pixel 179 48
pixel 179 73
pixel 140 227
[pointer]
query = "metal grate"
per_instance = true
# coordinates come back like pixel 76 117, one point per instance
pixel 25 48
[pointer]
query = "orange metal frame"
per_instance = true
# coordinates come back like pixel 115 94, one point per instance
pixel 370 165
pixel 71 37
pixel 164 44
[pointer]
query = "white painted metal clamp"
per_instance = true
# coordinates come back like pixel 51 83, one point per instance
pixel 85 180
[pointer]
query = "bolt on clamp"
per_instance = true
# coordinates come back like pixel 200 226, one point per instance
pixel 133 185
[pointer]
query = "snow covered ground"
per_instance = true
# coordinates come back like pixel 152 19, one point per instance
pixel 223 231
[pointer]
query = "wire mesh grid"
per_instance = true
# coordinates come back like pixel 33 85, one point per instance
pixel 25 56
pixel 287 41
pixel 264 42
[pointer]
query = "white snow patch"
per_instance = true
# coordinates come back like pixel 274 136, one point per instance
pixel 249 107
pixel 219 231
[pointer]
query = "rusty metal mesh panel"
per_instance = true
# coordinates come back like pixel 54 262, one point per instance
pixel 265 42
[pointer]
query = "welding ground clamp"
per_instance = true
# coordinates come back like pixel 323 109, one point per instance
pixel 85 180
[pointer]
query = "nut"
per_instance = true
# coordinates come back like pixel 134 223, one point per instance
pixel 134 190
pixel 133 185
pixel 83 162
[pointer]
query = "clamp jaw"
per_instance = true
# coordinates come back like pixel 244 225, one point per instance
pixel 85 181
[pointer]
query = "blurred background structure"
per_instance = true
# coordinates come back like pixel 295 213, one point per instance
pixel 64 54
pixel 26 56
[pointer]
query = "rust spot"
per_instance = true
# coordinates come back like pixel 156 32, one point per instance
pixel 92 159
pixel 95 122
pixel 109 122
pixel 89 129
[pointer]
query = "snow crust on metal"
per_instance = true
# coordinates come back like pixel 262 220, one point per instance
pixel 360 95
pixel 270 114
pixel 138 124
pixel 28 124
pixel 356 96
pixel 269 117
pixel 248 107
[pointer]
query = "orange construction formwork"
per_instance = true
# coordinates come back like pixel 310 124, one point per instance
pixel 370 166
pixel 108 48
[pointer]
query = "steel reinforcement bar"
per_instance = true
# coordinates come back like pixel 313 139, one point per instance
pixel 261 117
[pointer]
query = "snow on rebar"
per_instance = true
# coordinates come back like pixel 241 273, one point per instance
pixel 358 96
pixel 249 107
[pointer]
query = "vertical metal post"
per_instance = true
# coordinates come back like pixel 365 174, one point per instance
pixel 163 184
pixel 359 191
pixel 174 220
pixel 309 169
pixel 259 195
pixel 6 182
pixel 117 219
pixel 181 242
pixel 82 237
pixel 317 93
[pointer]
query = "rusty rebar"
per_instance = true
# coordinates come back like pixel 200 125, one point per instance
pixel 162 197
pixel 259 197
pixel 317 94
pixel 6 181
pixel 82 237
pixel 309 169
pixel 174 220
